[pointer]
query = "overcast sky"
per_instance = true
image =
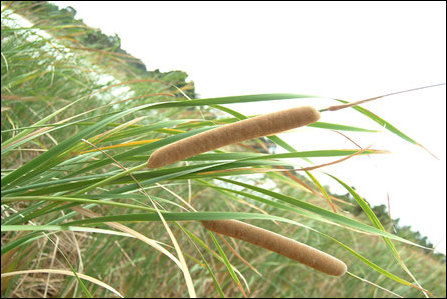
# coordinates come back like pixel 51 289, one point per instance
pixel 347 50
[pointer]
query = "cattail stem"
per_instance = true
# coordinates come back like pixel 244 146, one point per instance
pixel 295 250
pixel 338 107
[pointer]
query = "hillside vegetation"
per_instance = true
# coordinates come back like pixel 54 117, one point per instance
pixel 83 216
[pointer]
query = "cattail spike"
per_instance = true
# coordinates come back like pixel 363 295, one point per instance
pixel 292 249
pixel 246 129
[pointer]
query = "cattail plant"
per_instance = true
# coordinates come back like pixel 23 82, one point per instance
pixel 263 125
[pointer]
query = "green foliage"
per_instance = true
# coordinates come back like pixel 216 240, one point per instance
pixel 404 231
pixel 68 205
pixel 103 49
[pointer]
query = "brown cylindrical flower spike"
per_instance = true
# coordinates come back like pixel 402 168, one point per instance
pixel 295 250
pixel 246 129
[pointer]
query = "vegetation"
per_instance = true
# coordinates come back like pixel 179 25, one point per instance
pixel 82 215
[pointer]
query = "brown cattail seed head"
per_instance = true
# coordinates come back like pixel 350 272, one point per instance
pixel 295 250
pixel 246 129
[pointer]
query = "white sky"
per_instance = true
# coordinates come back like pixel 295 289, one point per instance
pixel 347 50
